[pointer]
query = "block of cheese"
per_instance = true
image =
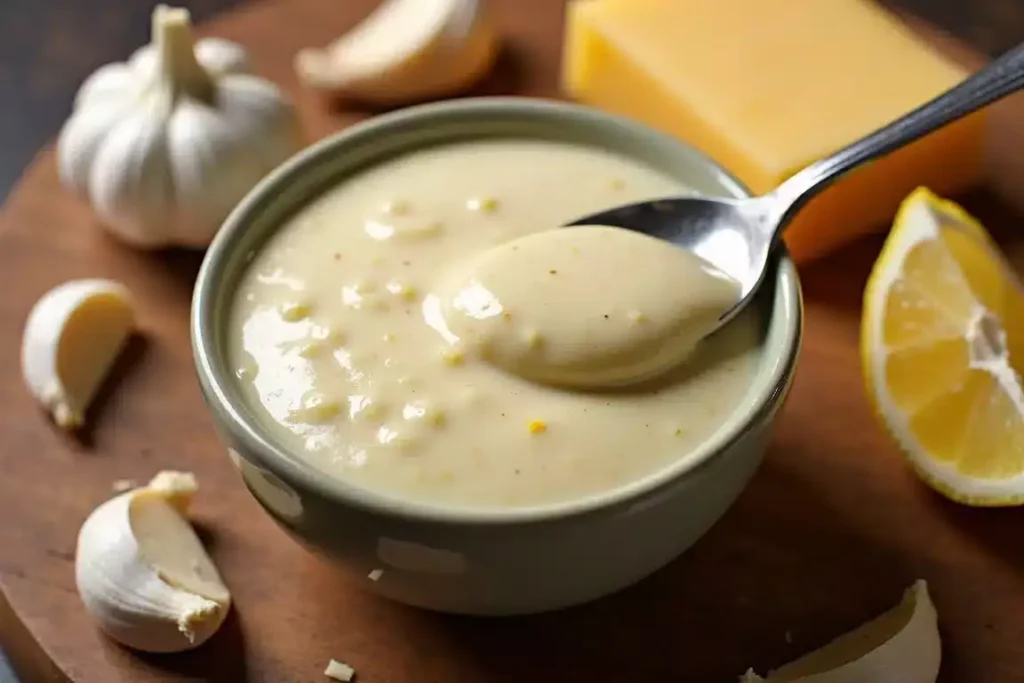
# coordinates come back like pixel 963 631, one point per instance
pixel 766 88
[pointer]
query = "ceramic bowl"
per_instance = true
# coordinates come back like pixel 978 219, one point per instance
pixel 488 561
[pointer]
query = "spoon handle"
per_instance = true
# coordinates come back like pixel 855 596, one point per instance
pixel 1000 78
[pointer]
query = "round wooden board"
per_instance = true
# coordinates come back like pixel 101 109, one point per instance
pixel 830 532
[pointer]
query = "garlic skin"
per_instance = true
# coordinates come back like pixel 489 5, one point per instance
pixel 406 50
pixel 166 144
pixel 143 575
pixel 72 337
pixel 900 646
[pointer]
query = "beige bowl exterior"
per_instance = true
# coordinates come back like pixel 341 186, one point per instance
pixel 488 562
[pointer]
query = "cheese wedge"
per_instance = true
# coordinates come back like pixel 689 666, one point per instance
pixel 766 88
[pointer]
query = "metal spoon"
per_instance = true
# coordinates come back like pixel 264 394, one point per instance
pixel 738 235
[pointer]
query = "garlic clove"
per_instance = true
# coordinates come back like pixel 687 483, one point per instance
pixel 108 81
pixel 900 646
pixel 177 488
pixel 168 544
pixel 143 574
pixel 404 51
pixel 247 105
pixel 82 136
pixel 136 201
pixel 73 335
pixel 219 56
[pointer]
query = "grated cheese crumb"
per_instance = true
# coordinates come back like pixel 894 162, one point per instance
pixel 375 575
pixel 453 357
pixel 637 317
pixel 537 426
pixel 339 671
pixel 483 204
pixel 395 208
pixel 294 311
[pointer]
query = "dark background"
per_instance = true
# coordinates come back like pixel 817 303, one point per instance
pixel 47 47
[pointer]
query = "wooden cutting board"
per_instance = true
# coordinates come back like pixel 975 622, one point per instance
pixel 830 532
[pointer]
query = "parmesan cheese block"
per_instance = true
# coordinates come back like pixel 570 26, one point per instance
pixel 766 88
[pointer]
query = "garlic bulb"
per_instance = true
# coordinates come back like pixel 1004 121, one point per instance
pixel 405 50
pixel 143 574
pixel 900 646
pixel 73 335
pixel 165 144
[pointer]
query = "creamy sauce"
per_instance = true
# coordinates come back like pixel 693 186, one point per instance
pixel 576 306
pixel 336 341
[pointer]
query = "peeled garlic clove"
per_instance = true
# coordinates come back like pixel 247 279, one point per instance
pixel 177 488
pixel 900 646
pixel 406 50
pixel 73 335
pixel 143 574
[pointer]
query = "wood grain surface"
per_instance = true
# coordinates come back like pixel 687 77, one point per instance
pixel 829 533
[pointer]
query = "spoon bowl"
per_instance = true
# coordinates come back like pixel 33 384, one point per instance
pixel 736 236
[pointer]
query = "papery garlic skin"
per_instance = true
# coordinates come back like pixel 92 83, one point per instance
pixel 406 50
pixel 166 144
pixel 72 337
pixel 133 599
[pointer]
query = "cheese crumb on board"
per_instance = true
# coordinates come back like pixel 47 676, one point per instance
pixel 339 671
pixel 766 88
pixel 122 485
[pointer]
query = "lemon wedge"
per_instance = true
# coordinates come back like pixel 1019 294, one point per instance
pixel 941 332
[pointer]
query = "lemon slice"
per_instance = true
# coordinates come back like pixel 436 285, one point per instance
pixel 943 326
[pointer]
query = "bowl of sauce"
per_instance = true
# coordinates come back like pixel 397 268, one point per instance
pixel 469 408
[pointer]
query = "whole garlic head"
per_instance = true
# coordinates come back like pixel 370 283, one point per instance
pixel 142 572
pixel 165 144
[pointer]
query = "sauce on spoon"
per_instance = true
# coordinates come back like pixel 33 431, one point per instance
pixel 585 306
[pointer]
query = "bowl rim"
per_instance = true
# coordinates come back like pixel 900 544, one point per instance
pixel 262 452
